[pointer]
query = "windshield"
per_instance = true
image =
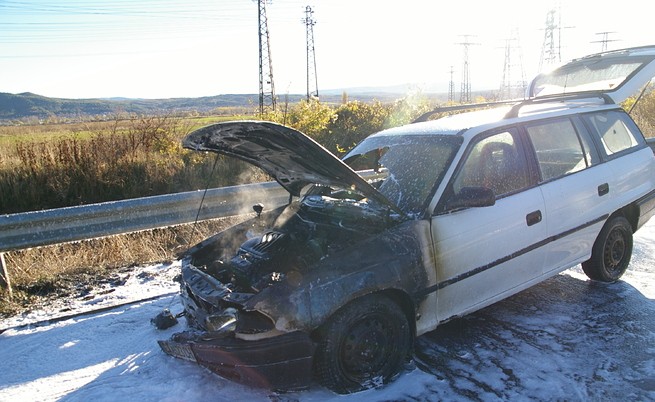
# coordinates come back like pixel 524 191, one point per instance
pixel 411 166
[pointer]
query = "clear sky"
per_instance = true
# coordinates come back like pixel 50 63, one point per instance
pixel 191 48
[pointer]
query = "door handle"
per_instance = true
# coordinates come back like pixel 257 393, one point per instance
pixel 533 218
pixel 603 189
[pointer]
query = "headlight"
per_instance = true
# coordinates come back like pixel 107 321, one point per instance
pixel 223 323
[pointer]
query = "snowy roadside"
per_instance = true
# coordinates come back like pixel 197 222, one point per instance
pixel 131 285
pixel 565 339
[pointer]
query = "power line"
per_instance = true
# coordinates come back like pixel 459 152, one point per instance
pixel 36 22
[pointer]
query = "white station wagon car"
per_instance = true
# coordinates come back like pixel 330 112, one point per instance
pixel 444 217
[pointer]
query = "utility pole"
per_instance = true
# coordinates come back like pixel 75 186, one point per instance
pixel 465 94
pixel 312 79
pixel 266 86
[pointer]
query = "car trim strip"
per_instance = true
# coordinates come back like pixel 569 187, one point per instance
pixel 518 253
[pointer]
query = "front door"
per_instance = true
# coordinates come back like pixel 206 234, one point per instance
pixel 484 254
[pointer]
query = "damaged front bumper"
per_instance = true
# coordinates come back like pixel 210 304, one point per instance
pixel 282 362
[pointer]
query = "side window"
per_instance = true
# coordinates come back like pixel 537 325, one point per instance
pixel 616 134
pixel 496 162
pixel 558 148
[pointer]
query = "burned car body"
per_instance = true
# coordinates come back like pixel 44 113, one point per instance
pixel 268 284
pixel 444 217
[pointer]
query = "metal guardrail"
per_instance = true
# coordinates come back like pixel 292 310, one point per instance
pixel 53 226
pixel 41 228
pixel 61 225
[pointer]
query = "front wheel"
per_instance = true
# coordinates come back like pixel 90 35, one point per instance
pixel 611 252
pixel 364 344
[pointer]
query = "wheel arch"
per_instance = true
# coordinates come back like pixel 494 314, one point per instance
pixel 401 298
pixel 631 213
pixel 406 304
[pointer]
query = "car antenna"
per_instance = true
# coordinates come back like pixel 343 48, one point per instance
pixel 202 200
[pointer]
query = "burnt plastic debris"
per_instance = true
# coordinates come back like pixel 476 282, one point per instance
pixel 164 320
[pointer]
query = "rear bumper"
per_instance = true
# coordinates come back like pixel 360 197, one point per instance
pixel 280 363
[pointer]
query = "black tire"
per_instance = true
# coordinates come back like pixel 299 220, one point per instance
pixel 611 252
pixel 363 345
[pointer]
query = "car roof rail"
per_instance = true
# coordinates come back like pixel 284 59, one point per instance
pixel 514 111
pixel 518 104
pixel 441 109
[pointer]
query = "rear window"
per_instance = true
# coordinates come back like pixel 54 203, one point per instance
pixel 615 130
pixel 604 73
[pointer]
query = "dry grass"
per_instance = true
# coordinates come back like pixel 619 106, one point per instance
pixel 143 160
pixel 40 273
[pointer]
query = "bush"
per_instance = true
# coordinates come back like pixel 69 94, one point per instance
pixel 354 121
pixel 644 112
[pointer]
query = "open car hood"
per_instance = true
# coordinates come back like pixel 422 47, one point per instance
pixel 288 155
pixel 618 74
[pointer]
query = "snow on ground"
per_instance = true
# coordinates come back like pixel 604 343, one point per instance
pixel 131 285
pixel 565 339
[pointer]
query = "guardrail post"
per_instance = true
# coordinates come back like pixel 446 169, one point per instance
pixel 4 275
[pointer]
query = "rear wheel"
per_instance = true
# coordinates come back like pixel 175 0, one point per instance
pixel 611 252
pixel 364 344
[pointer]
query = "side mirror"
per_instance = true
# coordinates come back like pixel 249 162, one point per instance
pixel 471 197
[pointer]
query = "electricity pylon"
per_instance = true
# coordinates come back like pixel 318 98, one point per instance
pixel 266 85
pixel 451 86
pixel 510 87
pixel 603 42
pixel 551 51
pixel 312 79
pixel 465 94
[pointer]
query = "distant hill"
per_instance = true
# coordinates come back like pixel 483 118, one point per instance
pixel 18 106
pixel 29 105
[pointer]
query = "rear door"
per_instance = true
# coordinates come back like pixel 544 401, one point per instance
pixel 590 167
pixel 625 154
pixel 575 188
pixel 484 254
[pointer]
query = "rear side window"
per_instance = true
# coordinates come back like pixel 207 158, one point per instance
pixel 558 148
pixel 616 132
